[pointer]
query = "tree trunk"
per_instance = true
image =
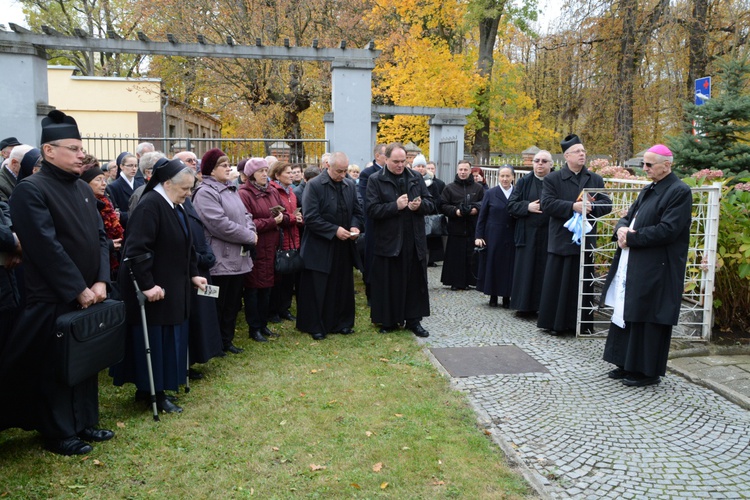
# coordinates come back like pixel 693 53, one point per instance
pixel 698 43
pixel 487 35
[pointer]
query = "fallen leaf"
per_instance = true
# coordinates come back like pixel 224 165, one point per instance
pixel 97 462
pixel 121 425
pixel 377 467
pixel 302 394
pixel 355 485
pixel 383 486
pixel 368 433
pixel 331 402
pixel 384 360
pixel 314 467
pixel 488 432
pixel 275 448
pixel 313 371
pixel 283 422
pixel 405 448
pixel 399 414
pixel 440 462
pixel 85 458
pixel 398 349
pixel 438 483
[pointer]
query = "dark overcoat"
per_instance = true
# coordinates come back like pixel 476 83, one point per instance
pixel 382 191
pixel 319 205
pixel 658 252
pixel 65 251
pixel 458 193
pixel 258 203
pixel 120 192
pixel 561 190
pixel 369 240
pixel 157 230
pixel 495 226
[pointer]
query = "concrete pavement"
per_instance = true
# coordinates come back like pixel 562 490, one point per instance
pixel 575 433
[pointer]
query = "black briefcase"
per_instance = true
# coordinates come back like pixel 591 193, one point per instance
pixel 92 339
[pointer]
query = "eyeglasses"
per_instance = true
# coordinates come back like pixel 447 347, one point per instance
pixel 74 149
pixel 126 165
pixel 649 165
pixel 539 160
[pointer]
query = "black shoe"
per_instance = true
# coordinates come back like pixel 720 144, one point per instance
pixel 268 333
pixel 638 380
pixel 431 264
pixel 318 336
pixel 418 330
pixel 493 300
pixel 146 396
pixel 287 316
pixel 618 373
pixel 163 404
pixel 387 329
pixel 233 349
pixel 96 435
pixel 506 302
pixel 345 331
pixel 70 446
pixel 194 374
pixel 257 336
pixel 275 319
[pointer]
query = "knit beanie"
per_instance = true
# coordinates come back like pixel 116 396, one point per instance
pixel 211 159
pixel 254 164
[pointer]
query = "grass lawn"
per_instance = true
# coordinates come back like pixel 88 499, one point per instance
pixel 357 416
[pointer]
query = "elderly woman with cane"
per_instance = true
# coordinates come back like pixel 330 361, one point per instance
pixel 160 259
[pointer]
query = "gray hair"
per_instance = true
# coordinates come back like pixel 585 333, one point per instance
pixel 18 152
pixel 326 158
pixel 338 158
pixel 140 148
pixel 148 160
pixel 182 173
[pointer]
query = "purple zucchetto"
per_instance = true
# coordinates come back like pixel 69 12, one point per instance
pixel 660 149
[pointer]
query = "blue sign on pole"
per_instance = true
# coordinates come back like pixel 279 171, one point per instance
pixel 702 90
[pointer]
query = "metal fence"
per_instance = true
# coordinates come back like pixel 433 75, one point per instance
pixel 306 151
pixel 696 312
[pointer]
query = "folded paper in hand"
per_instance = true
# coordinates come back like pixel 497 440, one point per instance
pixel 210 291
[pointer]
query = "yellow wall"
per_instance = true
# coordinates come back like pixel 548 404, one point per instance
pixel 103 106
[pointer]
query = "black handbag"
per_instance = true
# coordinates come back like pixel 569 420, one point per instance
pixel 435 225
pixel 92 339
pixel 287 261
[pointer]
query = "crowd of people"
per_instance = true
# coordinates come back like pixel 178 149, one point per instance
pixel 74 234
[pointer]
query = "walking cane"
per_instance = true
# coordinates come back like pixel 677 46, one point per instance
pixel 142 303
pixel 187 373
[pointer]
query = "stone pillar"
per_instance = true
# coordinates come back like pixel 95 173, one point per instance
pixel 24 91
pixel 328 127
pixel 374 134
pixel 351 98
pixel 447 127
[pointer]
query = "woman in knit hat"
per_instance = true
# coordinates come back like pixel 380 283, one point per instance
pixel 265 206
pixel 231 233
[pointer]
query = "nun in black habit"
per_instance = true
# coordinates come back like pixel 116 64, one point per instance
pixel 160 253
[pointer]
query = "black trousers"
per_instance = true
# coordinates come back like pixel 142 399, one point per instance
pixel 228 304
pixel 256 307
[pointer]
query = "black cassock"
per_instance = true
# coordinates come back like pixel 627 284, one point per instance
pixel 531 245
pixel 326 287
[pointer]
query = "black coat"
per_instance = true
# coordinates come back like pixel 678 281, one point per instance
pixel 319 204
pixel 369 240
pixel 462 194
pixel 65 251
pixel 157 230
pixel 388 234
pixel 9 296
pixel 561 190
pixel 496 227
pixel 658 252
pixel 120 192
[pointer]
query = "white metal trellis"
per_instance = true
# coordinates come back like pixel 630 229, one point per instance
pixel 696 312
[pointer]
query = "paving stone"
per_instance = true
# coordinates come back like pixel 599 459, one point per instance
pixel 599 438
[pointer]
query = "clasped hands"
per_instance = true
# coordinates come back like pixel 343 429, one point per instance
pixel 578 205
pixel 343 234
pixel 622 237
pixel 403 202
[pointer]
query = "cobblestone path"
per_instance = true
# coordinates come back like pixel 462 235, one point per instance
pixel 583 435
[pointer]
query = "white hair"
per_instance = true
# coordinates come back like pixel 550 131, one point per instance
pixel 18 152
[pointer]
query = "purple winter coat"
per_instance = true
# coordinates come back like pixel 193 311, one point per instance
pixel 228 226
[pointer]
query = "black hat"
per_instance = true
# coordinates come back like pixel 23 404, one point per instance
pixel 91 174
pixel 569 141
pixel 9 141
pixel 57 125
pixel 27 163
pixel 163 171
